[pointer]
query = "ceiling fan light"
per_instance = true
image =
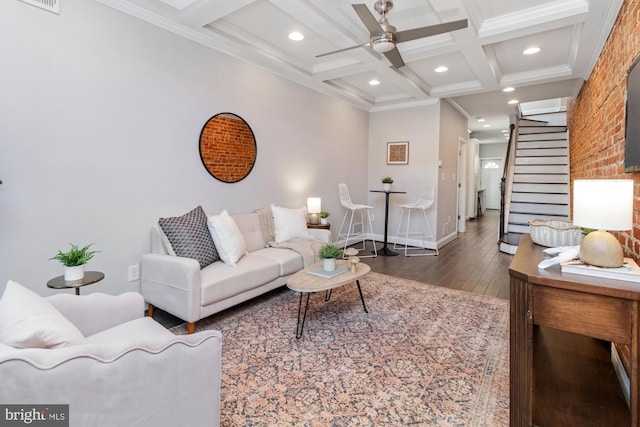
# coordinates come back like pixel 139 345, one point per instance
pixel 383 46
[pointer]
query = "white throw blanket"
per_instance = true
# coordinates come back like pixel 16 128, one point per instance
pixel 308 248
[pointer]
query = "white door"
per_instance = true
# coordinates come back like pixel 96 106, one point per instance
pixel 490 182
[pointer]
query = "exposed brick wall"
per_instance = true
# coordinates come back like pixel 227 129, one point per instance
pixel 227 148
pixel 596 118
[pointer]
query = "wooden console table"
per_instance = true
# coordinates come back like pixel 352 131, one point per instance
pixel 594 307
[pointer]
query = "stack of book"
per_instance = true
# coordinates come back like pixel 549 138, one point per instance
pixel 629 270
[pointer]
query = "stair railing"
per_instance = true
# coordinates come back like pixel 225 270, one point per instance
pixel 503 182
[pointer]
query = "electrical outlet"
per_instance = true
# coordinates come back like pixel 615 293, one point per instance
pixel 134 272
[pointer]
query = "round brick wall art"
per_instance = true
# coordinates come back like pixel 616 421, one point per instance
pixel 227 147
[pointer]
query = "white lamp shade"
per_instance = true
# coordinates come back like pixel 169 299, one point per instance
pixel 314 205
pixel 603 204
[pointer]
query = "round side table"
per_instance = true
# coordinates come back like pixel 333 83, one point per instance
pixel 90 277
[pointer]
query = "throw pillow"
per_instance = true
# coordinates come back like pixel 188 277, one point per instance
pixel 29 321
pixel 189 236
pixel 289 223
pixel 227 238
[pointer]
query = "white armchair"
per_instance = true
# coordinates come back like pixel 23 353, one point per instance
pixel 128 371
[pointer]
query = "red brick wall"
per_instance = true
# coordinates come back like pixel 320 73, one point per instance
pixel 596 118
pixel 227 148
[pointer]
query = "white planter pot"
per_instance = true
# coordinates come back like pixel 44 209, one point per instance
pixel 386 187
pixel 324 221
pixel 328 264
pixel 73 273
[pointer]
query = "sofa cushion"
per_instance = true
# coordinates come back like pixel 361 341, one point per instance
pixel 227 238
pixel 289 223
pixel 29 321
pixel 143 331
pixel 220 281
pixel 289 261
pixel 190 236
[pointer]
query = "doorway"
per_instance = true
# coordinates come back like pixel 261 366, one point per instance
pixel 490 176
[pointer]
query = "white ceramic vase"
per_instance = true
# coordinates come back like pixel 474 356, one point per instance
pixel 324 221
pixel 328 264
pixel 73 273
pixel 386 187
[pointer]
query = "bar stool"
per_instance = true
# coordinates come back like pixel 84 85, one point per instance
pixel 422 205
pixel 352 208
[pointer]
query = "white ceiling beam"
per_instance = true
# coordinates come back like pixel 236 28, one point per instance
pixel 205 12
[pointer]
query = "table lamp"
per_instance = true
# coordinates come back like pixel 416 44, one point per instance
pixel 314 207
pixel 602 204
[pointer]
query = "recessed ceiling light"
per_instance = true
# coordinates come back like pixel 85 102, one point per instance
pixel 486 126
pixel 509 89
pixel 481 120
pixel 531 50
pixel 504 131
pixel 374 82
pixel 513 101
pixel 441 69
pixel 296 36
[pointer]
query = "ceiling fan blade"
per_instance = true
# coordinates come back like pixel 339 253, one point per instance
pixel 342 50
pixel 432 30
pixel 394 57
pixel 368 19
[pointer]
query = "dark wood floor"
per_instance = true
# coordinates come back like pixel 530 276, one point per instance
pixel 471 263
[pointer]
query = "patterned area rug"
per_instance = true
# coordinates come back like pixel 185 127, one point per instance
pixel 424 355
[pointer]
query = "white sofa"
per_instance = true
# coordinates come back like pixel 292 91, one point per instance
pixel 179 286
pixel 128 371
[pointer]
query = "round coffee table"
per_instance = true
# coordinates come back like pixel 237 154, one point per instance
pixel 307 283
pixel 90 277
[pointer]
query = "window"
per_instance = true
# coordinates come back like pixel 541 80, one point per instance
pixel 491 165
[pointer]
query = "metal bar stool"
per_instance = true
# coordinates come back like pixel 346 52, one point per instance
pixel 349 234
pixel 421 206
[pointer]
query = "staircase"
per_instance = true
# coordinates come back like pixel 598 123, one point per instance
pixel 537 179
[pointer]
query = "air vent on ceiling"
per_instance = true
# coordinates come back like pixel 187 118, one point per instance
pixel 50 5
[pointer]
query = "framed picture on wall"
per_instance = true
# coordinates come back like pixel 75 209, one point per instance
pixel 398 153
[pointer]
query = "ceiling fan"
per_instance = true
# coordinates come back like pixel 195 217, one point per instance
pixel 384 36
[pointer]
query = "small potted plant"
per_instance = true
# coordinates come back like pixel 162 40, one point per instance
pixel 386 183
pixel 329 253
pixel 323 217
pixel 74 260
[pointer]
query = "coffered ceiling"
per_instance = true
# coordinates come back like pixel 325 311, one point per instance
pixel 482 59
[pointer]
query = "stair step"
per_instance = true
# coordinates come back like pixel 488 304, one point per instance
pixel 559 160
pixel 540 198
pixel 532 122
pixel 556 143
pixel 534 187
pixel 542 152
pixel 540 209
pixel 525 130
pixel 541 178
pixel 517 228
pixel 524 218
pixel 560 136
pixel 542 169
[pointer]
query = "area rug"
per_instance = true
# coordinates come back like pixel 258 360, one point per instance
pixel 423 355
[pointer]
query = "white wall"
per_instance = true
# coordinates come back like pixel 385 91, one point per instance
pixel 419 126
pixel 453 128
pixel 498 150
pixel 100 116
